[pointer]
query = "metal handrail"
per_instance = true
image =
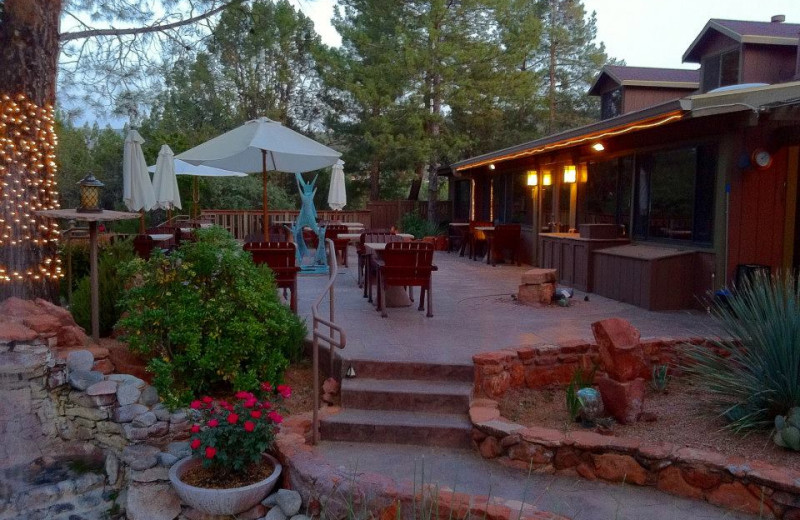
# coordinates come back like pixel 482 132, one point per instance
pixel 329 337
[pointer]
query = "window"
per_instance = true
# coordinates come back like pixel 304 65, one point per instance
pixel 461 199
pixel 606 197
pixel 611 103
pixel 674 195
pixel 721 70
pixel 512 198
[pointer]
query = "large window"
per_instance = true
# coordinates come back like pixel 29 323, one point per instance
pixel 461 198
pixel 512 198
pixel 611 103
pixel 606 195
pixel 721 70
pixel 674 195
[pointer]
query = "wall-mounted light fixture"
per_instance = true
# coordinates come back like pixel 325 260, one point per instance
pixel 547 179
pixel 491 166
pixel 598 147
pixel 570 174
pixel 533 178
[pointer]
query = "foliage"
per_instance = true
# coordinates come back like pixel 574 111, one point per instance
pixel 579 380
pixel 787 430
pixel 209 318
pixel 754 375
pixel 111 288
pixel 660 378
pixel 76 253
pixel 419 227
pixel 231 436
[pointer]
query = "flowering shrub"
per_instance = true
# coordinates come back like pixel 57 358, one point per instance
pixel 232 435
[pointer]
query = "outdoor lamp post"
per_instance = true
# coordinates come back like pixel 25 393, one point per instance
pixel 90 195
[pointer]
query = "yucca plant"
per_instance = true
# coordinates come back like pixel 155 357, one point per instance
pixel 754 373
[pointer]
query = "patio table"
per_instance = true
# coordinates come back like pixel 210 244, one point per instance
pixel 488 231
pixel 353 237
pixel 395 296
pixel 160 237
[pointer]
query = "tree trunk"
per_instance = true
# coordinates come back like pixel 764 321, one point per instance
pixel 29 48
pixel 551 93
pixel 416 184
pixel 374 180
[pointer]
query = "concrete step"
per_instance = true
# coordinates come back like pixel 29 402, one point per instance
pixel 397 427
pixel 406 394
pixel 371 369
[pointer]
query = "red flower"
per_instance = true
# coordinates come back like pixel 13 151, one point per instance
pixel 195 405
pixel 195 444
pixel 244 395
pixel 213 423
pixel 285 391
pixel 265 386
pixel 249 426
pixel 195 428
pixel 266 405
pixel 210 452
pixel 250 403
pixel 233 418
pixel 255 414
pixel 207 400
pixel 275 417
pixel 224 404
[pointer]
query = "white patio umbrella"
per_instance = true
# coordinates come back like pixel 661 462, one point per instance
pixel 262 145
pixel 165 183
pixel 137 191
pixel 337 194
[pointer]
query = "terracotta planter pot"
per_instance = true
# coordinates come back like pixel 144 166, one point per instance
pixel 439 242
pixel 221 501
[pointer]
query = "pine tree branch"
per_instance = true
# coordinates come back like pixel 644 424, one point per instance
pixel 90 33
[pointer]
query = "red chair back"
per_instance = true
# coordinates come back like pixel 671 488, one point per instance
pixel 143 245
pixel 407 263
pixel 279 256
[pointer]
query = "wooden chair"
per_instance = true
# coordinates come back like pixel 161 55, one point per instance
pixel 144 245
pixel 364 268
pixel 339 244
pixel 505 237
pixel 406 264
pixel 280 257
pixel 476 238
pixel 457 239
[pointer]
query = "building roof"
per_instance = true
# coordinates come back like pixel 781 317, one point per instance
pixel 765 33
pixel 647 77
pixel 756 98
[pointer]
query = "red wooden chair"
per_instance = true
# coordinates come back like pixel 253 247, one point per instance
pixel 339 244
pixel 406 264
pixel 144 245
pixel 365 269
pixel 504 238
pixel 476 238
pixel 280 257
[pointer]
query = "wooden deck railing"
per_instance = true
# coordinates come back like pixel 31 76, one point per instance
pixel 242 223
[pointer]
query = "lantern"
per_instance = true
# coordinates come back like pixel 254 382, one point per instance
pixel 90 195
pixel 570 173
pixel 533 178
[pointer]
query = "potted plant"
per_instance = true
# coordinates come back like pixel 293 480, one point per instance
pixel 230 470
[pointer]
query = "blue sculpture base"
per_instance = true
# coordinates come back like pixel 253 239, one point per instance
pixel 314 269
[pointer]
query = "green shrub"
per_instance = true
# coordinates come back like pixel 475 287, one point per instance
pixel 414 224
pixel 579 380
pixel 754 375
pixel 210 319
pixel 110 288
pixel 78 250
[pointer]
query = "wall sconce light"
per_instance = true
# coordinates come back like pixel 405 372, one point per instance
pixel 533 178
pixel 547 179
pixel 598 147
pixel 90 195
pixel 570 173
pixel 491 166
pixel 584 174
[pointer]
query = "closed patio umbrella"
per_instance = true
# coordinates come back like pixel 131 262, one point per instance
pixel 137 190
pixel 262 145
pixel 165 184
pixel 337 194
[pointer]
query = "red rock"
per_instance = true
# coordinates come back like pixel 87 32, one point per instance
pixel 734 495
pixel 538 276
pixel 391 512
pixel 517 374
pixel 485 403
pixel 621 355
pixel 330 386
pixel 478 414
pixel 527 353
pixel 70 337
pixel 575 346
pixel 700 477
pixel 60 313
pixel 12 331
pixel 497 357
pixel 623 401
pixel 707 459
pixel 42 323
pixel 542 376
pixel 530 453
pixel 656 450
pixel 585 471
pixel 619 468
pixel 545 436
pixel 490 448
pixel 497 385
pixel 671 481
pixel 104 366
pixel 541 294
pixel 566 458
pixel 19 308
pixel 477 435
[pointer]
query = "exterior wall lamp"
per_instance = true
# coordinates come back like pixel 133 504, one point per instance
pixel 547 179
pixel 570 174
pixel 533 178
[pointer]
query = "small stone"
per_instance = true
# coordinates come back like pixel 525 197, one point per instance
pixel 330 386
pixel 254 513
pixel 149 396
pixel 275 514
pixel 125 414
pixel 154 474
pixel 112 468
pixel 289 501
pixel 102 388
pixel 162 414
pixel 177 417
pixel 140 456
pixel 125 379
pixel 152 502
pixel 623 401
pixel 490 448
pixel 619 468
pixel 83 379
pixel 128 393
pixel 167 459
pixel 180 450
pixel 271 500
pixel 144 420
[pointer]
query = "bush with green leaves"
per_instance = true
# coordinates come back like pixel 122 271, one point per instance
pixel 414 224
pixel 754 374
pixel 110 288
pixel 209 319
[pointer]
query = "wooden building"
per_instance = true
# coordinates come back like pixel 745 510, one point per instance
pixel 656 205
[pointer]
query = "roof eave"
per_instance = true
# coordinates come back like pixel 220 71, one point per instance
pixel 688 56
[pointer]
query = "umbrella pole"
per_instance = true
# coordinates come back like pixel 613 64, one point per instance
pixel 266 200
pixel 141 222
pixel 195 198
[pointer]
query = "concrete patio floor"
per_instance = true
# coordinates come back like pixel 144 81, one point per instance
pixel 474 312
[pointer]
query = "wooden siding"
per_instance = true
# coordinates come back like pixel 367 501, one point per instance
pixel 768 63
pixel 757 213
pixel 572 258
pixel 715 42
pixel 242 223
pixel 638 98
pixel 387 213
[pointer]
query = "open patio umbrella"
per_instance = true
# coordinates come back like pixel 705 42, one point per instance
pixel 337 194
pixel 165 183
pixel 137 190
pixel 262 145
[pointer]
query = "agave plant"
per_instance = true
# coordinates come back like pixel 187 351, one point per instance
pixel 754 374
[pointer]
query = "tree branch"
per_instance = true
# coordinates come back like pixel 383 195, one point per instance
pixel 76 35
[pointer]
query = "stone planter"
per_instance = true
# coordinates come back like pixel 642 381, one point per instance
pixel 221 501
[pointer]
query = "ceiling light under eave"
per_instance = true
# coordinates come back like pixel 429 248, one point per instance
pixel 598 147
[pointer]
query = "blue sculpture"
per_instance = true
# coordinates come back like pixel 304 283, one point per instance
pixel 308 219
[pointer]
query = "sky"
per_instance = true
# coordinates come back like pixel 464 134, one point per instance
pixel 644 33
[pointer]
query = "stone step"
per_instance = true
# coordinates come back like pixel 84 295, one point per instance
pixel 372 369
pixel 406 394
pixel 397 427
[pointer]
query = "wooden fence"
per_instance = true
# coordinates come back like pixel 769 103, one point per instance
pixel 242 223
pixel 387 213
